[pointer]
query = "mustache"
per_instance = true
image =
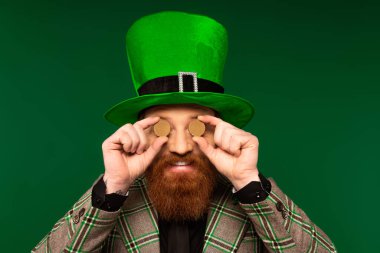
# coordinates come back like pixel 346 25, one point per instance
pixel 171 159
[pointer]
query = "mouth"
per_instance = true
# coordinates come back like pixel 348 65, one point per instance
pixel 181 166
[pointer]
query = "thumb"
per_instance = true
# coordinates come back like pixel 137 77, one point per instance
pixel 153 149
pixel 204 146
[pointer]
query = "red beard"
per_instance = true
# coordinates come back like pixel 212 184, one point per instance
pixel 179 196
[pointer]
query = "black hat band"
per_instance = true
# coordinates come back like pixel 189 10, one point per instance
pixel 184 83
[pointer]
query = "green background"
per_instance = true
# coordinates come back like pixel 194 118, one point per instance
pixel 311 68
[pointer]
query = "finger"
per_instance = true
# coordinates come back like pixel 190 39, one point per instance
pixel 125 141
pixel 134 137
pixel 155 148
pixel 225 141
pixel 218 135
pixel 251 144
pixel 227 136
pixel 235 146
pixel 223 133
pixel 112 143
pixel 210 119
pixel 143 140
pixel 147 122
pixel 205 147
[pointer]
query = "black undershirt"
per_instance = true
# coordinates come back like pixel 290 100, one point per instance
pixel 186 236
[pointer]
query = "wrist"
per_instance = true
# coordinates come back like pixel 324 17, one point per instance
pixel 240 183
pixel 115 186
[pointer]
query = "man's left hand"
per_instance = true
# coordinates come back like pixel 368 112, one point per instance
pixel 235 153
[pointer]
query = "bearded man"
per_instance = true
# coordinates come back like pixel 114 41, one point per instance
pixel 180 173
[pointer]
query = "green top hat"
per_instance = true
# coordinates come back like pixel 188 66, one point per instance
pixel 178 58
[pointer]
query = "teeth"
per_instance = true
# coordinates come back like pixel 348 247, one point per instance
pixel 181 163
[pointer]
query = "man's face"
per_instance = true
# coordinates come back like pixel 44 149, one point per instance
pixel 181 178
pixel 180 140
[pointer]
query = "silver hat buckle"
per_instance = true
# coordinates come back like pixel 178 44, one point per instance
pixel 180 80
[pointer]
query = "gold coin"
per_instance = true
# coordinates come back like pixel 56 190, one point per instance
pixel 197 127
pixel 162 128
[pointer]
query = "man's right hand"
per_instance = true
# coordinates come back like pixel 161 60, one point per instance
pixel 127 154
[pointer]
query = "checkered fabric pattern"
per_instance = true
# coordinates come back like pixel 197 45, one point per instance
pixel 275 224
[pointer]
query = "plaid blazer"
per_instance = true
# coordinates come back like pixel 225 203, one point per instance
pixel 275 224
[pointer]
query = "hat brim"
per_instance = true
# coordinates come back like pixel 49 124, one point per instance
pixel 232 109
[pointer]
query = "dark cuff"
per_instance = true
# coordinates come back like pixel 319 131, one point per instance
pixel 254 191
pixel 107 202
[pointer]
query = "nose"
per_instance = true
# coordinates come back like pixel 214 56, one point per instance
pixel 180 142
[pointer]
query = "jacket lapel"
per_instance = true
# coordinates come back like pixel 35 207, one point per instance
pixel 137 222
pixel 226 223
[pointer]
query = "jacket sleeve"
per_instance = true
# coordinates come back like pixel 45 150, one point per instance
pixel 284 227
pixel 84 228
